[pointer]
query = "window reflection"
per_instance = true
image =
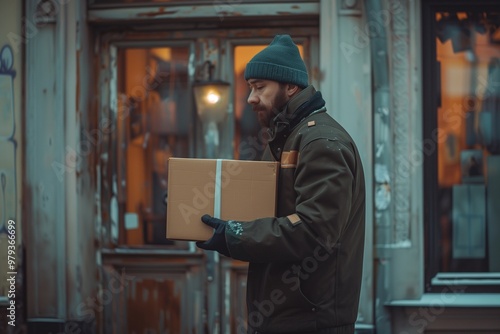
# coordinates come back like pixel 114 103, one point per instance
pixel 155 85
pixel 468 140
pixel 249 139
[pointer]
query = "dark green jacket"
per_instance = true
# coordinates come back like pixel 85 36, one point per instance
pixel 306 264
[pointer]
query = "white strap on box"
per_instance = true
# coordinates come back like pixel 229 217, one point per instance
pixel 218 190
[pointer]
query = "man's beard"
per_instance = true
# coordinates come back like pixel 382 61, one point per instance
pixel 279 103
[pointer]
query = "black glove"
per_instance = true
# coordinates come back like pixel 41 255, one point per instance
pixel 218 240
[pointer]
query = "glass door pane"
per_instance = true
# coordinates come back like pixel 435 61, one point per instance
pixel 154 87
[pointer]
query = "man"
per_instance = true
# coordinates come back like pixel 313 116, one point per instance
pixel 305 264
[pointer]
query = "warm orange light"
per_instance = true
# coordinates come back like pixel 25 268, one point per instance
pixel 212 100
pixel 212 97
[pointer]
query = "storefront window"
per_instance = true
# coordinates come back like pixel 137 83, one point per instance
pixel 462 145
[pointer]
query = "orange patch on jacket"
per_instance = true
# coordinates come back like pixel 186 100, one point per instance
pixel 294 219
pixel 289 159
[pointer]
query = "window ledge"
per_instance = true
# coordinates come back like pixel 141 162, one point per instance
pixel 450 300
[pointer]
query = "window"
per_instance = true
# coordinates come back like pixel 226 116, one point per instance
pixel 462 145
pixel 154 87
pixel 154 117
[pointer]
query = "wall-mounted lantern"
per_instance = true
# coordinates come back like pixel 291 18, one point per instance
pixel 212 105
pixel 211 96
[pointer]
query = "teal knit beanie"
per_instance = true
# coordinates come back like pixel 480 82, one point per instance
pixel 280 61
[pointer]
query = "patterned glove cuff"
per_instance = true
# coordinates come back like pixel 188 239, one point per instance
pixel 235 227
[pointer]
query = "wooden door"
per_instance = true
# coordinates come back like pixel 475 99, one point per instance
pixel 149 284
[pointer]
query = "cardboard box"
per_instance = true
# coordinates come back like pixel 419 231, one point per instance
pixel 228 189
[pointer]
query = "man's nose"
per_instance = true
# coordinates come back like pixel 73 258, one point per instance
pixel 252 98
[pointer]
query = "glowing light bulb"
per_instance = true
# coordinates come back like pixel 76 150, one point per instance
pixel 213 98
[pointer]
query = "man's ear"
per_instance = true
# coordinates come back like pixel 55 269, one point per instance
pixel 291 90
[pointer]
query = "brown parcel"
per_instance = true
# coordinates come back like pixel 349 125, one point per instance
pixel 246 190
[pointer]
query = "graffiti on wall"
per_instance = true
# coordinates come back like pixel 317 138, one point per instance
pixel 8 194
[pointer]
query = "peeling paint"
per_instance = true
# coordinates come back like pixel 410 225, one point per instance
pixel 224 13
pixel 161 11
pixel 382 187
pixel 213 10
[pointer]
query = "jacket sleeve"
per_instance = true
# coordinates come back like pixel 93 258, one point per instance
pixel 323 186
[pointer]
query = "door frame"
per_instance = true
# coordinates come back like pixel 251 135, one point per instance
pixel 228 275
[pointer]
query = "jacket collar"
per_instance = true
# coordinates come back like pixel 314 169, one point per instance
pixel 302 97
pixel 299 107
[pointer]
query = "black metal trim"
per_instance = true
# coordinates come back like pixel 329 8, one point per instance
pixel 429 122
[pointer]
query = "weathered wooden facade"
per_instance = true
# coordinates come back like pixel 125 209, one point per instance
pixel 96 95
